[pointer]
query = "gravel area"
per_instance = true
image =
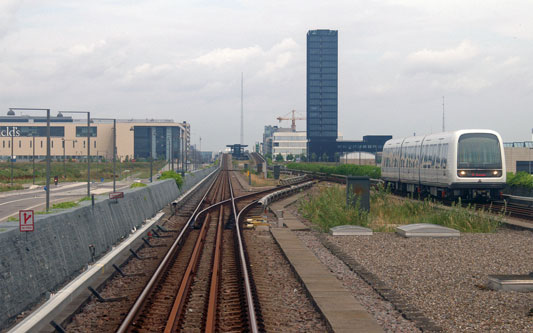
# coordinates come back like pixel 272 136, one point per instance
pixel 445 278
pixel 285 306
pixel 383 311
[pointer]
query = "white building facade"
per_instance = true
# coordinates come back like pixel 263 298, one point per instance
pixel 286 142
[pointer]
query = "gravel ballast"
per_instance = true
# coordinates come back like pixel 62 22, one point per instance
pixel 445 279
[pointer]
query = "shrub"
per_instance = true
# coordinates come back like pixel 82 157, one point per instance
pixel 344 169
pixel 522 179
pixel 64 205
pixel 172 175
pixel 135 185
pixel 328 209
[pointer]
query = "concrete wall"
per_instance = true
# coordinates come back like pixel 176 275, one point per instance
pixel 33 264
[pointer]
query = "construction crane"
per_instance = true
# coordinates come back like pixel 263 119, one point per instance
pixel 293 118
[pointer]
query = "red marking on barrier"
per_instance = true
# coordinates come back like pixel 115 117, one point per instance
pixel 116 195
pixel 26 220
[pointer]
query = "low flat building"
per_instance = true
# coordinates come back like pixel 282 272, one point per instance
pixel 519 156
pixel 285 142
pixel 136 138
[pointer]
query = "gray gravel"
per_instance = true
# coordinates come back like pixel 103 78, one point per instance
pixel 445 279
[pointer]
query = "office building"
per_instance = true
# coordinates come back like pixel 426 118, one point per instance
pixel 135 139
pixel 322 93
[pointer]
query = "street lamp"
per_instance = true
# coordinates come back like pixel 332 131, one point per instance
pixel 114 149
pixel 88 147
pixel 64 156
pixel 47 150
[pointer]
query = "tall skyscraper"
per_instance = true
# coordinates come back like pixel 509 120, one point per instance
pixel 322 93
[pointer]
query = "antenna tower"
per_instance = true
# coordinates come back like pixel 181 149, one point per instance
pixel 242 112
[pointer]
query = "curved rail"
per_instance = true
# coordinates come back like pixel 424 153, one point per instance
pixel 247 285
pixel 140 302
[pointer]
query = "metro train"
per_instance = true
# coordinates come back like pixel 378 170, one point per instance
pixel 467 163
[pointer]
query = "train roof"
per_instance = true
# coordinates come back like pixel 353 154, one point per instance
pixel 435 136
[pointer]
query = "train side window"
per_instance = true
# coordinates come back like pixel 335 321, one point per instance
pixel 437 158
pixel 444 155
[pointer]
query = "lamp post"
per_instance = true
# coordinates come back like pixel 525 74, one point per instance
pixel 151 152
pixel 114 149
pixel 12 147
pixel 64 156
pixel 47 150
pixel 88 147
pixel 33 157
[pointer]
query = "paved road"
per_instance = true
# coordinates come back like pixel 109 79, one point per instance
pixel 13 201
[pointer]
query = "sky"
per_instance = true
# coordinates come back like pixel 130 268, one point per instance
pixel 183 60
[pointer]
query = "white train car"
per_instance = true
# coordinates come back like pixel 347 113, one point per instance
pixel 464 163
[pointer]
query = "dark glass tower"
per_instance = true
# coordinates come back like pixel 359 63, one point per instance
pixel 322 97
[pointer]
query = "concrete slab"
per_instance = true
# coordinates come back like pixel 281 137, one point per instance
pixel 522 283
pixel 350 230
pixel 342 312
pixel 426 230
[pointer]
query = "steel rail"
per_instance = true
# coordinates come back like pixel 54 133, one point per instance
pixel 211 316
pixel 183 292
pixel 247 285
pixel 161 268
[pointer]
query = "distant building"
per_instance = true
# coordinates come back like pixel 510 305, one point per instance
pixel 136 138
pixel 267 139
pixel 322 92
pixel 519 156
pixel 287 142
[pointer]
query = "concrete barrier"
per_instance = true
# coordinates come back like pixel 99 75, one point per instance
pixel 36 263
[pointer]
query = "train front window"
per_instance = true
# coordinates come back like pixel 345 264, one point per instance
pixel 479 151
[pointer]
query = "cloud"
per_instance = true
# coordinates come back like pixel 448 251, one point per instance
pixel 447 60
pixel 8 11
pixel 224 56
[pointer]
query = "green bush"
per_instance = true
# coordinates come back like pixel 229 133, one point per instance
pixel 64 205
pixel 172 175
pixel 135 185
pixel 522 179
pixel 328 209
pixel 344 169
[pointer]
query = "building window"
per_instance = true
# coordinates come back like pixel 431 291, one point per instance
pixel 30 144
pixel 62 143
pixel 94 144
pixel 41 143
pixel 81 131
pixel 3 144
pixel 74 144
pixel 20 143
pixel 84 144
pixel 52 143
pixel 9 144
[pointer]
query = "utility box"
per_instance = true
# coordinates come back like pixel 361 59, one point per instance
pixel 259 167
pixel 276 171
pixel 358 192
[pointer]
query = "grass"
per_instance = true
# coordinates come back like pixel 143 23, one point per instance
pixel 327 209
pixel 344 169
pixel 6 187
pixel 64 205
pixel 75 171
pixel 135 185
pixel 520 179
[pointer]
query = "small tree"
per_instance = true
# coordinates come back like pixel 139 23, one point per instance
pixel 303 158
pixel 290 157
pixel 172 175
pixel 279 157
pixel 313 157
pixel 325 157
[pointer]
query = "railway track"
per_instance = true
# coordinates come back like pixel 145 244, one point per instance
pixel 204 281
